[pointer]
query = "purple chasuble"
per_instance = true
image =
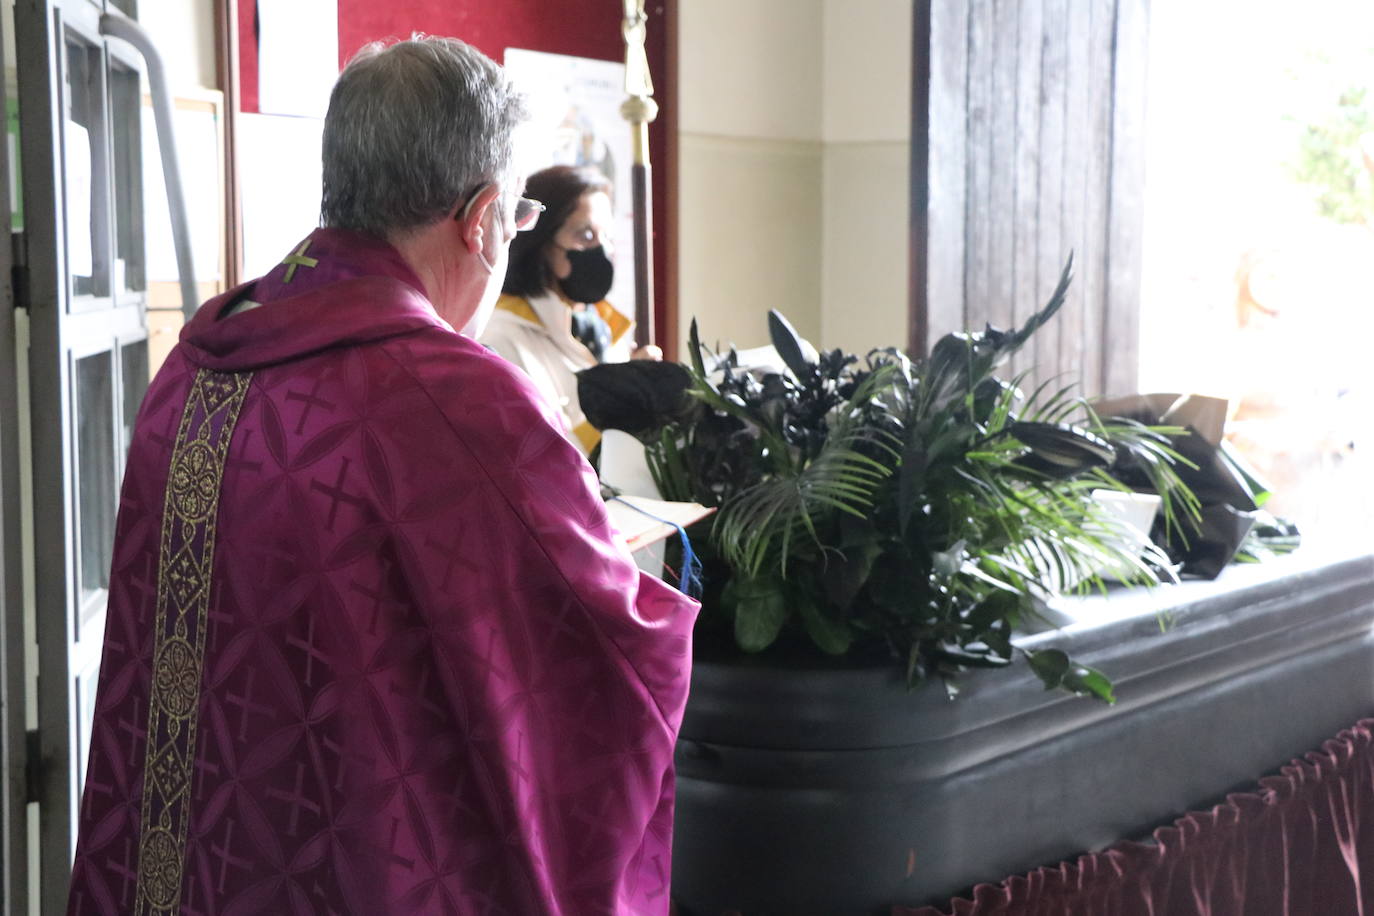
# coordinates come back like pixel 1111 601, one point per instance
pixel 373 646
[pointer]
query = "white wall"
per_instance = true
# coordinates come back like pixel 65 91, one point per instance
pixel 793 154
pixel 184 32
pixel 867 131
pixel 750 166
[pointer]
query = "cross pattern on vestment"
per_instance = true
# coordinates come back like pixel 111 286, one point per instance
pixel 298 259
pixel 312 654
pixel 137 735
pixel 193 891
pixel 453 554
pixel 240 463
pixel 246 705
pixel 378 597
pixel 390 850
pixel 337 494
pixel 420 692
pixel 226 858
pixel 124 870
pixel 94 788
pixel 217 617
pixel 486 662
pixel 204 766
pixel 663 882
pixel 145 587
pixel 344 758
pixel 598 824
pixel 311 401
pixel 297 799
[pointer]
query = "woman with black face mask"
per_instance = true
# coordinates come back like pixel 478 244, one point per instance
pixel 552 319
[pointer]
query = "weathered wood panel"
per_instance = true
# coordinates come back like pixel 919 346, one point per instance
pixel 1121 320
pixel 944 66
pixel 1098 175
pixel 1000 288
pixel 982 142
pixel 1026 140
pixel 1035 115
pixel 1078 147
pixel 1053 245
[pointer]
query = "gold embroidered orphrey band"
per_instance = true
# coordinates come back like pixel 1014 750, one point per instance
pixel 183 597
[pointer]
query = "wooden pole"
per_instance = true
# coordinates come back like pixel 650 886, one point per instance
pixel 640 109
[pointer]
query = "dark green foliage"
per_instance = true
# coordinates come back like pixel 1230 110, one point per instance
pixel 887 507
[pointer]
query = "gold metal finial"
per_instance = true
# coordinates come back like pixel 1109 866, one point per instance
pixel 639 109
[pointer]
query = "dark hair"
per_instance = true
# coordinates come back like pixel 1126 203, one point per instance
pixel 558 188
pixel 413 127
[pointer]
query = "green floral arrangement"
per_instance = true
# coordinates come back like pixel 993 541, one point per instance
pixel 886 510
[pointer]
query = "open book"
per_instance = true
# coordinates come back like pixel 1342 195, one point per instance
pixel 642 521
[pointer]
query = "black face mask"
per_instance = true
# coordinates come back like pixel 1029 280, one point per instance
pixel 592 273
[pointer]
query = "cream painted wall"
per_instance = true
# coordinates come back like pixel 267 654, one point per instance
pixel 184 32
pixel 750 167
pixel 867 71
pixel 864 246
pixel 793 155
pixel 867 132
pixel 750 68
pixel 750 218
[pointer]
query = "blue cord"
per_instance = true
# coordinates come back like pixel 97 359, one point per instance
pixel 689 579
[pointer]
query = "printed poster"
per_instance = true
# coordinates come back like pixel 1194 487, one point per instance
pixel 575 106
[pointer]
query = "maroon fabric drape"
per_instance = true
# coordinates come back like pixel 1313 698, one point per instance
pixel 1301 845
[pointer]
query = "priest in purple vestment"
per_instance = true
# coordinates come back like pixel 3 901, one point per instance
pixel 373 646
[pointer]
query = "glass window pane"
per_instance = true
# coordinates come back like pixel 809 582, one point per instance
pixel 95 465
pixel 85 185
pixel 133 359
pixel 85 717
pixel 125 111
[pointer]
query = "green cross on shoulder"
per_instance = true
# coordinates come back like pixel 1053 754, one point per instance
pixel 298 259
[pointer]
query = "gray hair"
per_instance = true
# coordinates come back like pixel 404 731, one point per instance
pixel 412 128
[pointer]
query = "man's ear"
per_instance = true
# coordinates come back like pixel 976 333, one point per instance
pixel 473 214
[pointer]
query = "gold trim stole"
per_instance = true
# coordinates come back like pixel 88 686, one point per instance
pixel 183 597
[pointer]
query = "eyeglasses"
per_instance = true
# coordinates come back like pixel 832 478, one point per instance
pixel 527 213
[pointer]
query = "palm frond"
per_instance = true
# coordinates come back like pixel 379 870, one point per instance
pixel 762 521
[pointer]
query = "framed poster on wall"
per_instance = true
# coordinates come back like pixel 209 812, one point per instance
pixel 575 108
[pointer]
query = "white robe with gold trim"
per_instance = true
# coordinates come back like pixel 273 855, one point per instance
pixel 535 334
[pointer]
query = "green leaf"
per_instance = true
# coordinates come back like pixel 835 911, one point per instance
pixel 829 633
pixel 1057 298
pixel 1061 450
pixel 949 444
pixel 796 353
pixel 761 521
pixel 1050 665
pixel 947 563
pixel 912 481
pixel 894 585
pixel 1086 681
pixel 915 665
pixel 997 606
pixel 998 638
pixel 969 659
pixel 694 350
pixel 860 547
pixel 1056 669
pixel 760 611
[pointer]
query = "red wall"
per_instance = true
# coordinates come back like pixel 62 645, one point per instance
pixel 581 28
